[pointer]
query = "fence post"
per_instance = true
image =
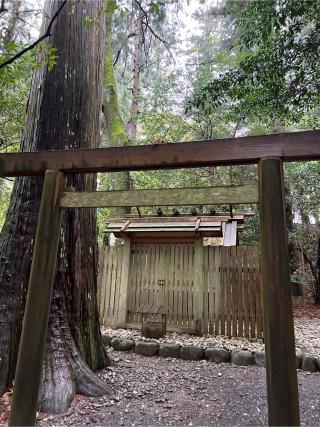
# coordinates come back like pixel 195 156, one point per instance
pixel 124 283
pixel 36 315
pixel 198 286
pixel 283 401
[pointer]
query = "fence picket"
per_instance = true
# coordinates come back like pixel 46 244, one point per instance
pixel 231 296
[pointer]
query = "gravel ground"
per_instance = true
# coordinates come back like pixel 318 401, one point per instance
pixel 156 391
pixel 306 333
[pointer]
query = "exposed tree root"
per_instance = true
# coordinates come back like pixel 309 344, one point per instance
pixel 64 371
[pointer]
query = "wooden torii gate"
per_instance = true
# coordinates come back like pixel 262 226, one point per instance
pixel 269 151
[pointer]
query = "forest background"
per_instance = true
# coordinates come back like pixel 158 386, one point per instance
pixel 190 70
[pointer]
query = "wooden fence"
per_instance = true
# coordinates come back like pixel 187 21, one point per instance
pixel 229 295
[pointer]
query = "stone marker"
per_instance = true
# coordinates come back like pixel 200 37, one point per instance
pixel 169 350
pixel 242 357
pixel 106 339
pixel 190 352
pixel 309 363
pixel 122 344
pixel 147 348
pixel 217 355
pixel 259 358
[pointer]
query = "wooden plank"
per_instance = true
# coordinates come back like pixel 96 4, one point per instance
pixel 108 287
pixel 123 285
pixel 36 315
pixel 283 400
pixel 118 288
pixel 222 312
pixel 113 282
pixel 182 284
pixel 172 284
pixel 180 288
pixel 166 268
pixel 234 289
pixel 251 307
pixel 132 283
pixel 186 273
pixel 245 293
pixel 228 290
pixel 176 285
pixel 259 297
pixel 100 280
pixel 101 261
pixel 105 251
pixel 205 289
pixel 190 283
pixel 247 193
pixel 242 285
pixel 244 150
pixel 199 284
pixel 216 287
pixel 141 295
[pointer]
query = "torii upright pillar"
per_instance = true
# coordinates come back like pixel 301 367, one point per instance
pixel 283 400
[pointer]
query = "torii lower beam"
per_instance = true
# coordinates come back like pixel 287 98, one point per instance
pixel 236 194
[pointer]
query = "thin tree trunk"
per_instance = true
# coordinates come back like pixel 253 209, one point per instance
pixel 115 132
pixel 12 21
pixel 63 113
pixel 138 41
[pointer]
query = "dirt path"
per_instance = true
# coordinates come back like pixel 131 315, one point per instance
pixel 157 391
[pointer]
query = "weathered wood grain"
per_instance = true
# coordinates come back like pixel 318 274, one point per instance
pixel 175 264
pixel 247 193
pixel 293 146
pixel 283 401
pixel 36 315
pixel 123 285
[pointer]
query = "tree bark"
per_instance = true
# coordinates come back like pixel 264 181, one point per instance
pixel 138 43
pixel 115 132
pixel 63 113
pixel 12 21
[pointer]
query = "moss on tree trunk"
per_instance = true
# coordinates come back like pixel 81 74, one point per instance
pixel 114 129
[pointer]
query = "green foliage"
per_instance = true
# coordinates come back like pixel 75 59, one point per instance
pixel 278 71
pixel 14 88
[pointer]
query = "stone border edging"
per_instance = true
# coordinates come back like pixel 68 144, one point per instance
pixel 240 357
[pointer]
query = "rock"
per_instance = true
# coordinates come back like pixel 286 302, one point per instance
pixel 190 352
pixel 242 357
pixel 259 358
pixel 217 355
pixel 122 344
pixel 106 339
pixel 309 363
pixel 147 348
pixel 169 350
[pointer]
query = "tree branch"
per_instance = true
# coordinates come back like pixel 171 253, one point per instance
pixel 312 268
pixel 3 8
pixel 165 43
pixel 121 47
pixel 33 45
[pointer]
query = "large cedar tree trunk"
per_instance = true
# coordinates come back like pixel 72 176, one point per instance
pixel 63 113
